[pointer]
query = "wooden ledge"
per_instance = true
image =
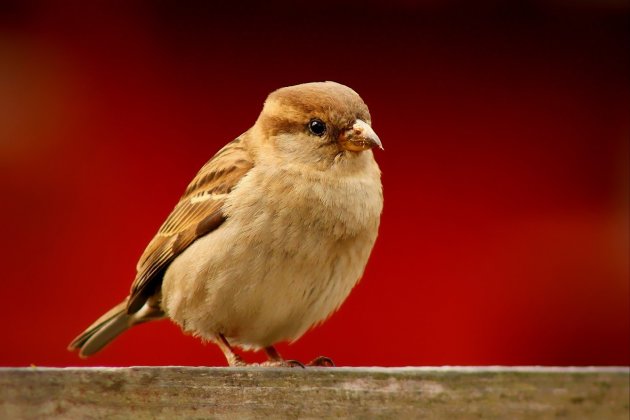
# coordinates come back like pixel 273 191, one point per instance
pixel 200 392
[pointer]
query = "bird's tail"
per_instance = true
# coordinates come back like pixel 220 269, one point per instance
pixel 109 326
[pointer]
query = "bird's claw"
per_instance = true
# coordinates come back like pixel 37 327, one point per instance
pixel 321 361
pixel 294 363
pixel 281 363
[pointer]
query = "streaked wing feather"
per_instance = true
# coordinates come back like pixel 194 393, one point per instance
pixel 198 213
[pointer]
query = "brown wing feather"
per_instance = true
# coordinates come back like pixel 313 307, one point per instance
pixel 198 212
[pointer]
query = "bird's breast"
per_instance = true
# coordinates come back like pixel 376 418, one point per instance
pixel 293 246
pixel 288 198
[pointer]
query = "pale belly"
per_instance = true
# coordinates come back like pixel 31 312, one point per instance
pixel 257 293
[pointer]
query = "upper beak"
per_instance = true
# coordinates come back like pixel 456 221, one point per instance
pixel 359 137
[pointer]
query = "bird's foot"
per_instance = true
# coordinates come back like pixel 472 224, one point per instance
pixel 236 361
pixel 283 363
pixel 321 361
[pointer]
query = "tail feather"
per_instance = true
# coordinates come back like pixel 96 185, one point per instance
pixel 109 326
pixel 102 331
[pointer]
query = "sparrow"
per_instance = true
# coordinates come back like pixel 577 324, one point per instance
pixel 270 236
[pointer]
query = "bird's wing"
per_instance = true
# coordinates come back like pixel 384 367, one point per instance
pixel 198 212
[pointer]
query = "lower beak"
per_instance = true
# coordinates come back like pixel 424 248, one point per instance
pixel 359 137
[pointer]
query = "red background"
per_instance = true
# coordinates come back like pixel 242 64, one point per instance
pixel 504 238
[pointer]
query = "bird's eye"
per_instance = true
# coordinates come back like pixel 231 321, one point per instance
pixel 317 127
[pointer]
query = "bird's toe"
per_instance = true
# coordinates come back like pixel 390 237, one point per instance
pixel 321 361
pixel 283 363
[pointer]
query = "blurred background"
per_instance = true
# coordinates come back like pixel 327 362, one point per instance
pixel 504 238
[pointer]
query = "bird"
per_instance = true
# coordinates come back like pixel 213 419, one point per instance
pixel 270 236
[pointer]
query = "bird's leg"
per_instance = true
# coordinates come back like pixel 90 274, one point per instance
pixel 277 361
pixel 321 361
pixel 273 354
pixel 233 359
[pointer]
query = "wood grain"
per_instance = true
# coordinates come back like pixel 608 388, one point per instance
pixel 195 393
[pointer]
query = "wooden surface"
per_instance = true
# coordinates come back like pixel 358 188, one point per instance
pixel 189 392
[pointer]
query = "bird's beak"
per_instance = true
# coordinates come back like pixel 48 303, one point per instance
pixel 359 137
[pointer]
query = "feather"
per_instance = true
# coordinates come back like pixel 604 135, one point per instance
pixel 198 213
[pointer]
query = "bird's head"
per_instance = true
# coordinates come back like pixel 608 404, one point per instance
pixel 317 123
